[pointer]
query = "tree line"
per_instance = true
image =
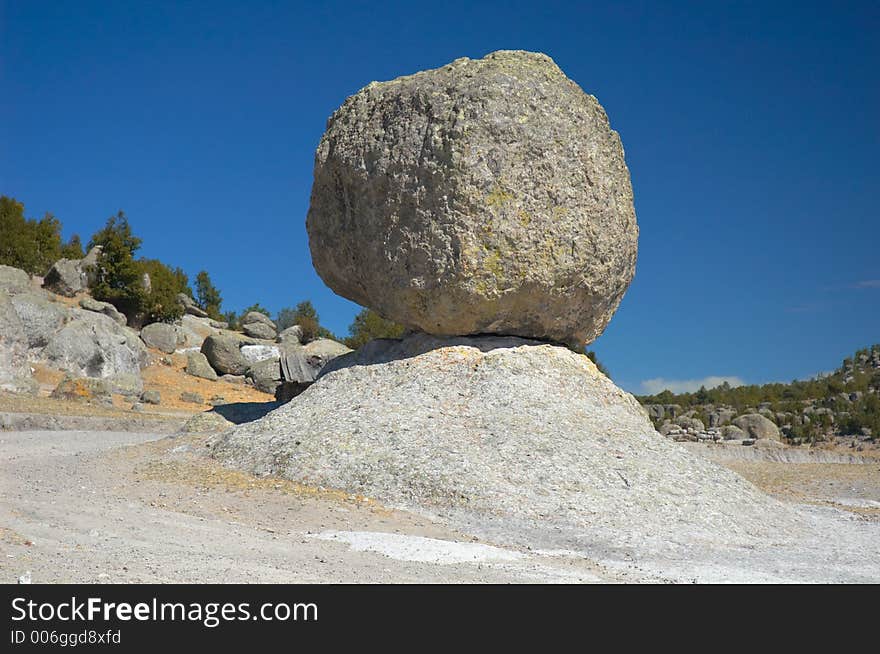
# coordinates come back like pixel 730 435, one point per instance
pixel 120 278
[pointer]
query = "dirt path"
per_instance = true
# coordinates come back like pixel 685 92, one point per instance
pixel 122 507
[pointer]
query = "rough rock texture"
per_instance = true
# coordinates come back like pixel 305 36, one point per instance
pixel 13 345
pixel 91 304
pixel 162 336
pixel 494 432
pixel 92 345
pixel 259 330
pixel 190 307
pixel 291 336
pixel 757 426
pixel 70 276
pixel 486 196
pixel 265 375
pixel 40 317
pixel 224 354
pixel 194 330
pixel 733 433
pixel 197 365
pixel 302 364
pixel 13 280
pixel 83 389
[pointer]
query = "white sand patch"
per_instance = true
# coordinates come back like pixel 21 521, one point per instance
pixel 419 549
pixel 255 353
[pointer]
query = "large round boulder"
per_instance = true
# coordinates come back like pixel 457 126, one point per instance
pixel 486 196
pixel 162 336
pixel 757 426
pixel 224 354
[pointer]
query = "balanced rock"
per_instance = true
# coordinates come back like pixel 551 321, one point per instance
pixel 486 196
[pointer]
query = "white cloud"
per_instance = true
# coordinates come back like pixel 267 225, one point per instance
pixel 869 283
pixel 658 385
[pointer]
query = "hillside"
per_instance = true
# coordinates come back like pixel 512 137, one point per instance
pixel 843 404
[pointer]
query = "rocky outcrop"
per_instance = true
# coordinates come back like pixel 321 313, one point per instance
pixel 486 196
pixel 93 345
pixel 90 304
pixel 71 276
pixel 258 325
pixel 83 389
pixel 300 365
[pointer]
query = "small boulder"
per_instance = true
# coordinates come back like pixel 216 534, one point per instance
pixel 92 345
pixel 192 398
pixel 197 365
pixel 83 389
pixel 151 397
pixel 162 336
pixel 70 276
pixel 265 375
pixel 258 325
pixel 190 307
pixel 291 336
pixel 733 433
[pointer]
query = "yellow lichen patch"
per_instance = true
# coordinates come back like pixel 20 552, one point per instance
pixel 498 198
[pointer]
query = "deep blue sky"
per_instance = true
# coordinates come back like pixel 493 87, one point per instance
pixel 751 131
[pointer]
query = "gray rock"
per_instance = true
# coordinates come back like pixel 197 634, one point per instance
pixel 192 330
pixel 233 379
pixel 93 345
pixel 125 383
pixel 197 365
pixel 13 346
pixel 291 336
pixel 224 354
pixel 70 276
pixel 721 417
pixel 757 427
pixel 151 397
pixel 497 432
pixel 40 317
pixel 192 398
pixel 190 307
pixel 656 411
pixel 265 375
pixel 259 330
pixel 252 317
pixel 162 336
pixel 304 363
pixel 486 196
pixel 91 304
pixel 691 423
pixel 255 352
pixel 733 433
pixel 13 280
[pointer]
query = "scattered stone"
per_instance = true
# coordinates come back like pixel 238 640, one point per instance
pixel 485 196
pixel 197 365
pixel 192 398
pixel 125 383
pixel 151 397
pixel 233 379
